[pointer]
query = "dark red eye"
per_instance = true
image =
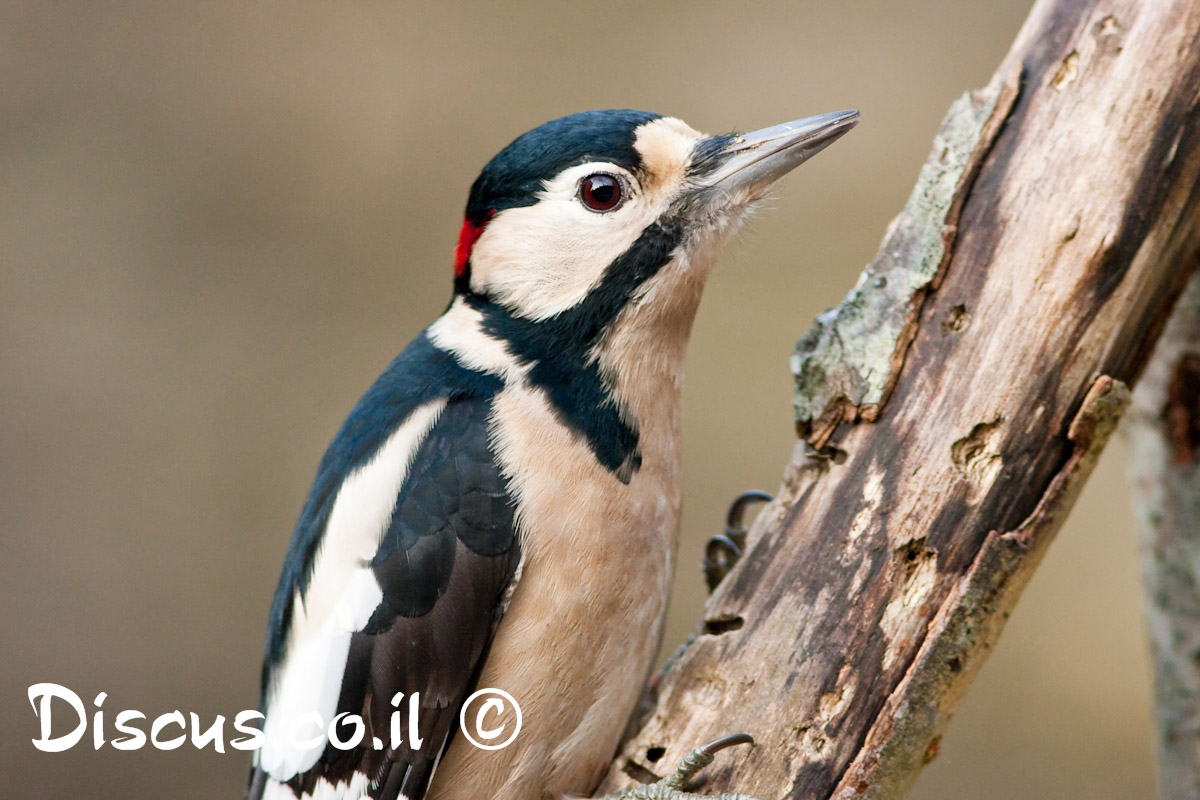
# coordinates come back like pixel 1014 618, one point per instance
pixel 600 192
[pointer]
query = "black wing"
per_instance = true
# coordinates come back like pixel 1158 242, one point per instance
pixel 444 566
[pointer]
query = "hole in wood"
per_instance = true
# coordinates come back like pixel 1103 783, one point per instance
pixel 719 626
pixel 956 319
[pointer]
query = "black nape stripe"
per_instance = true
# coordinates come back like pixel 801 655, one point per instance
pixel 560 348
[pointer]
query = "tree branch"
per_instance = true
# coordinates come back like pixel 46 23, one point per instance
pixel 1165 472
pixel 991 341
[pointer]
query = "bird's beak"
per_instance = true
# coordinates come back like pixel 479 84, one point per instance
pixel 749 162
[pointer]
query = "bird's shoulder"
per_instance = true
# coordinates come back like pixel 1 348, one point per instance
pixel 424 381
pixel 409 511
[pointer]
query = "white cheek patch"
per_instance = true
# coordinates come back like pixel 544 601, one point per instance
pixel 341 597
pixel 543 259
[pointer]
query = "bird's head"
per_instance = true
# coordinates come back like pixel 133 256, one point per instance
pixel 592 207
pixel 584 251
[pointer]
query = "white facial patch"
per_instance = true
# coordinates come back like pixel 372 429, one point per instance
pixel 543 259
pixel 665 146
pixel 460 332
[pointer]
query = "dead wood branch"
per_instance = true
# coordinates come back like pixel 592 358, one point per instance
pixel 990 341
pixel 1165 471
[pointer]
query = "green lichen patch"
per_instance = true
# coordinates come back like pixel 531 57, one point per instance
pixel 846 365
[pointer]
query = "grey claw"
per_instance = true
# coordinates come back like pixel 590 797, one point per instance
pixel 673 787
pixel 733 739
pixel 724 551
pixel 737 509
pixel 701 758
pixel 720 555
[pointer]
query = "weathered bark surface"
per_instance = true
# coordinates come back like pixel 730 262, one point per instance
pixel 1165 472
pixel 872 589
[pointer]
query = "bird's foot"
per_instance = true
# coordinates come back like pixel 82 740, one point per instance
pixel 724 551
pixel 672 786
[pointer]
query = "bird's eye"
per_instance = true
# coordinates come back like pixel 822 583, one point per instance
pixel 601 192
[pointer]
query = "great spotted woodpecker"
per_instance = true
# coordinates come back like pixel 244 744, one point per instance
pixel 501 508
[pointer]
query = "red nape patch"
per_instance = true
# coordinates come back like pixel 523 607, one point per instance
pixel 466 241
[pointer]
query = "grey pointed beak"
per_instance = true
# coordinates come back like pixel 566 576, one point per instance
pixel 751 161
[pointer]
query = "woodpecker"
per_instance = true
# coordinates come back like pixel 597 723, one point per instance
pixel 501 508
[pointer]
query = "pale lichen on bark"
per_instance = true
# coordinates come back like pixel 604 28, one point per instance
pixel 846 365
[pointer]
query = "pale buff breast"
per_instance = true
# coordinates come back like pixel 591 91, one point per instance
pixel 581 632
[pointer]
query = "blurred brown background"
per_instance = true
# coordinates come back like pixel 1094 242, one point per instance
pixel 220 221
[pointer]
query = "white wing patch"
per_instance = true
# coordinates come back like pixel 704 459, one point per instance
pixel 356 788
pixel 277 791
pixel 341 597
pixel 324 790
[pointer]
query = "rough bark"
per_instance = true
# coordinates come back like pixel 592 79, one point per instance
pixel 1022 290
pixel 1165 471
